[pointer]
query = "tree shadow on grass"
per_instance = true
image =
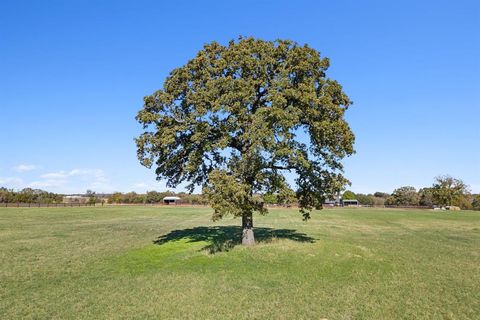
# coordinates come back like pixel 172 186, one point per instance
pixel 224 238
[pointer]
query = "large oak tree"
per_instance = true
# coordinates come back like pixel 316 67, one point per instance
pixel 449 191
pixel 236 118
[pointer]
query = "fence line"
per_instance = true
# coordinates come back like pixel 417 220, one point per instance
pixel 43 205
pixel 73 205
pixel 407 207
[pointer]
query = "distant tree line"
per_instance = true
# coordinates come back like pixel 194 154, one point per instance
pixel 445 191
pixel 28 195
pixel 152 197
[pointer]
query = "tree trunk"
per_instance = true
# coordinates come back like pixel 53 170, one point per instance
pixel 247 234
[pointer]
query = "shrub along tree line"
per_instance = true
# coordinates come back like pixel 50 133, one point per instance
pixel 445 191
pixel 28 195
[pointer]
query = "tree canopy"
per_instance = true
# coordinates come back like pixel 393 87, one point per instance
pixel 448 190
pixel 28 195
pixel 349 195
pixel 236 118
pixel 476 202
pixel 406 196
pixel 426 197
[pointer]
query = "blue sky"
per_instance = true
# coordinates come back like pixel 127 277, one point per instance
pixel 73 75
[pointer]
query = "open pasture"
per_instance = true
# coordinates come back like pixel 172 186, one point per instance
pixel 174 262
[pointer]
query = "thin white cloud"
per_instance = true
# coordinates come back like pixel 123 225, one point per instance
pixel 87 172
pixel 49 183
pixel 55 175
pixel 145 186
pixel 139 185
pixel 24 167
pixel 75 180
pixel 11 182
pixel 101 186
pixel 98 174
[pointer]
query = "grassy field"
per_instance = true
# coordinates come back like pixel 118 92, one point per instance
pixel 173 262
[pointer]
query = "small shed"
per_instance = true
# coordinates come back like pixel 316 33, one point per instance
pixel 350 203
pixel 171 200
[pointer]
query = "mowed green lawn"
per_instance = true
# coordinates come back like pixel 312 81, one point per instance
pixel 173 262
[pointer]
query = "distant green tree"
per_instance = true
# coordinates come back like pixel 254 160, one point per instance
pixel 29 195
pixel 476 202
pixel 349 195
pixel 390 201
pixel 198 199
pixel 464 202
pixel 405 196
pixel 426 197
pixel 154 197
pixel 286 197
pixel 381 195
pixel 378 201
pixel 366 200
pixel 92 197
pixel 5 195
pixel 130 197
pixel 26 195
pixel 447 190
pixel 270 198
pixel 116 197
pixel 230 120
